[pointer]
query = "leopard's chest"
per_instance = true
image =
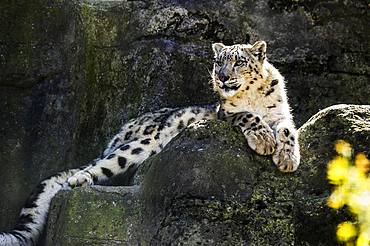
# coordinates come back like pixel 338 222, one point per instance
pixel 255 102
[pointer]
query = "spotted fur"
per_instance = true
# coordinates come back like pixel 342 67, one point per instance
pixel 34 213
pixel 252 96
pixel 136 141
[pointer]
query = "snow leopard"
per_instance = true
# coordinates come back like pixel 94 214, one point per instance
pixel 252 97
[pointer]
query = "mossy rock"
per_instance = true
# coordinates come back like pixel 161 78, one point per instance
pixel 207 187
pixel 315 222
pixel 94 216
pixel 319 134
pixel 72 71
pixel 210 188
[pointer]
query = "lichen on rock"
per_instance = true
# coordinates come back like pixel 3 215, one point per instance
pixel 93 215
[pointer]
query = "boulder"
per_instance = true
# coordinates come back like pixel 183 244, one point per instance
pixel 73 71
pixel 94 216
pixel 316 222
pixel 319 134
pixel 208 188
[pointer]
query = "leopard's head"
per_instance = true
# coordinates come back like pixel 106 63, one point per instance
pixel 236 67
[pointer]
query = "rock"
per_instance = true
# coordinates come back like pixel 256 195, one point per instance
pixel 201 189
pixel 315 221
pixel 209 188
pixel 38 106
pixel 94 215
pixel 319 134
pixel 73 71
pixel 206 187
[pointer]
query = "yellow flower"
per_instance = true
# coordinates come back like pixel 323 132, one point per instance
pixel 336 199
pixel 352 188
pixel 346 231
pixel 338 170
pixel 363 239
pixel 362 163
pixel 343 148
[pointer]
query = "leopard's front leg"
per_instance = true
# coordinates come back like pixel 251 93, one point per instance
pixel 287 155
pixel 258 133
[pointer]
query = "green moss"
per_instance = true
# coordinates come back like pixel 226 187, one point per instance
pixel 110 216
pixel 100 30
pixel 104 103
pixel 101 26
pixel 82 212
pixel 93 216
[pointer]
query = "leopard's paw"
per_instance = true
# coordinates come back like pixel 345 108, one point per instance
pixel 285 158
pixel 287 155
pixel 81 178
pixel 262 141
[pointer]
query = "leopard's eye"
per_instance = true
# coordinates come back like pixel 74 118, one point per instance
pixel 238 63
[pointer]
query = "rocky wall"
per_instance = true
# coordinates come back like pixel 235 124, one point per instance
pixel 72 71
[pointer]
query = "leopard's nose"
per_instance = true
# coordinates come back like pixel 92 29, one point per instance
pixel 223 77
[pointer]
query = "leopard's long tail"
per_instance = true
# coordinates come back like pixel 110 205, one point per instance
pixel 33 216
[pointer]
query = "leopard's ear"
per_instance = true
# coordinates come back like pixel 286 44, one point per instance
pixel 259 50
pixel 217 47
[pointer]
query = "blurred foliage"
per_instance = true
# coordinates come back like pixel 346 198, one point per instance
pixel 351 179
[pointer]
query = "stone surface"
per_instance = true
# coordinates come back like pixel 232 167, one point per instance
pixel 319 134
pixel 94 216
pixel 72 71
pixel 317 138
pixel 208 188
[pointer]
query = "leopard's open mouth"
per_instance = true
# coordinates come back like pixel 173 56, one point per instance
pixel 230 88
